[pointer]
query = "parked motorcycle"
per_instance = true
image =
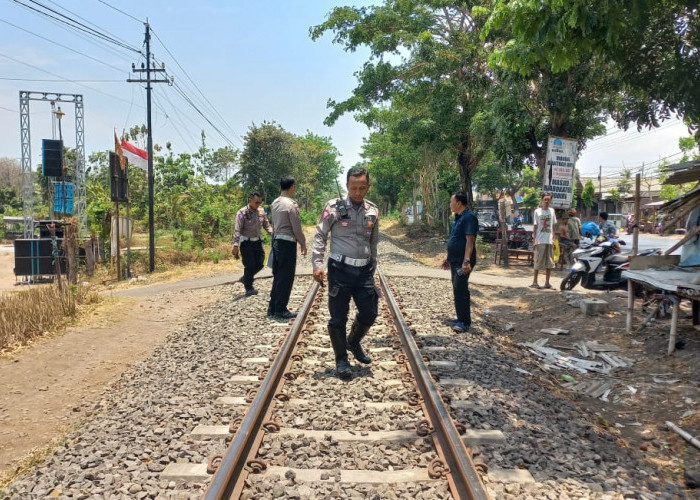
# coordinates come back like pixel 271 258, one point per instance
pixel 599 266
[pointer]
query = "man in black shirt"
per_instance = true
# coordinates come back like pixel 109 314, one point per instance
pixel 461 258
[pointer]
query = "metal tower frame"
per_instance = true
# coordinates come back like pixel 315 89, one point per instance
pixel 27 185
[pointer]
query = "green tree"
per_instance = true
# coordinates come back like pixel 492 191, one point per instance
pixel 427 58
pixel 268 154
pixel 650 47
pixel 316 170
pixel 588 195
pixel 624 185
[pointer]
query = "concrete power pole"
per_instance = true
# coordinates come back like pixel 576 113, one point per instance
pixel 600 188
pixel 148 70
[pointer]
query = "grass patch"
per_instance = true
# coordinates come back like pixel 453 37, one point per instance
pixel 28 314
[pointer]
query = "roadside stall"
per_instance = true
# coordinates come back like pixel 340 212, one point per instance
pixel 673 278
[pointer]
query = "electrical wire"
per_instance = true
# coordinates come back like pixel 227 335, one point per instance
pixel 216 111
pixel 177 130
pixel 120 11
pixel 75 24
pixel 62 78
pixel 57 80
pixel 194 106
pixel 61 45
pixel 89 22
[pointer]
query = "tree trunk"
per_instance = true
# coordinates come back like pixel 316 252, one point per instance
pixel 465 164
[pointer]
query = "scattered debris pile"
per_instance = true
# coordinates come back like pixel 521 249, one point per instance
pixel 590 357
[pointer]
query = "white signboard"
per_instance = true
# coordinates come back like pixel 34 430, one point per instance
pixel 559 171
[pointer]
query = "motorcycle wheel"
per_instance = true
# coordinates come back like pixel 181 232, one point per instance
pixel 570 281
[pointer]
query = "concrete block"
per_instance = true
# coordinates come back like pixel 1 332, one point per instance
pixel 591 307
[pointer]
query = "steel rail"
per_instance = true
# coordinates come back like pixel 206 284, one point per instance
pixel 232 468
pixel 462 476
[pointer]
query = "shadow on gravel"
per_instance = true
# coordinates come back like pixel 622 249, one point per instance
pixel 357 370
pixel 399 258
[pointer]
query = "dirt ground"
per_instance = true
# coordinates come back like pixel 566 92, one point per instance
pixel 47 387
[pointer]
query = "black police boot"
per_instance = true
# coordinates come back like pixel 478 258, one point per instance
pixel 357 333
pixel 339 343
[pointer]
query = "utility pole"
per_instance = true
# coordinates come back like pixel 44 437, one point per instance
pixel 600 187
pixel 148 69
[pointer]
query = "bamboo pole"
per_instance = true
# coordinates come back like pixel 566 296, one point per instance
pixel 683 434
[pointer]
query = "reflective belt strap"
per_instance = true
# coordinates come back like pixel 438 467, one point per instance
pixel 245 238
pixel 348 260
pixel 285 237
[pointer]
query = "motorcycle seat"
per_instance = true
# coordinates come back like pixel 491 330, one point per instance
pixel 616 259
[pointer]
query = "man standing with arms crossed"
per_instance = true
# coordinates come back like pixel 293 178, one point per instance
pixel 544 221
pixel 354 224
pixel 287 232
pixel 247 242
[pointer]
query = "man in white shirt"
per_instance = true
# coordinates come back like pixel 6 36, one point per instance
pixel 543 241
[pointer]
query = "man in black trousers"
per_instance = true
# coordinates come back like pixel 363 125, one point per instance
pixel 286 222
pixel 247 242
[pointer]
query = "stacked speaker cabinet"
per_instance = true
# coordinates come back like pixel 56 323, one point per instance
pixel 52 157
pixel 34 257
pixel 119 179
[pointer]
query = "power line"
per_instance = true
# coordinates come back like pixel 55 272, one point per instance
pixel 620 140
pixel 89 22
pixel 194 106
pixel 57 80
pixel 62 78
pixel 75 24
pixel 61 45
pixel 216 111
pixel 120 11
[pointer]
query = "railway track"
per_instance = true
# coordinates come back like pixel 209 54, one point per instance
pixel 157 430
pixel 268 439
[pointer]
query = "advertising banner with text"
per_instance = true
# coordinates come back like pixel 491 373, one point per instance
pixel 559 171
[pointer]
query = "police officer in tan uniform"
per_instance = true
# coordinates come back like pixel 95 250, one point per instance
pixel 246 239
pixel 286 222
pixel 354 226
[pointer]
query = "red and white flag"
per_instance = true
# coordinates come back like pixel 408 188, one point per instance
pixel 136 156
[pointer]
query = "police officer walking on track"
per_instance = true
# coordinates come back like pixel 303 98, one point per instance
pixel 287 232
pixel 354 224
pixel 247 242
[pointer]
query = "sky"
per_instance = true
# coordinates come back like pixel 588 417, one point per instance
pixel 241 62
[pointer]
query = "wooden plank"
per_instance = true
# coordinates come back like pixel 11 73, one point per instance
pixel 641 262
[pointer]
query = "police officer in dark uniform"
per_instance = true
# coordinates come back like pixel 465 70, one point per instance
pixel 353 223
